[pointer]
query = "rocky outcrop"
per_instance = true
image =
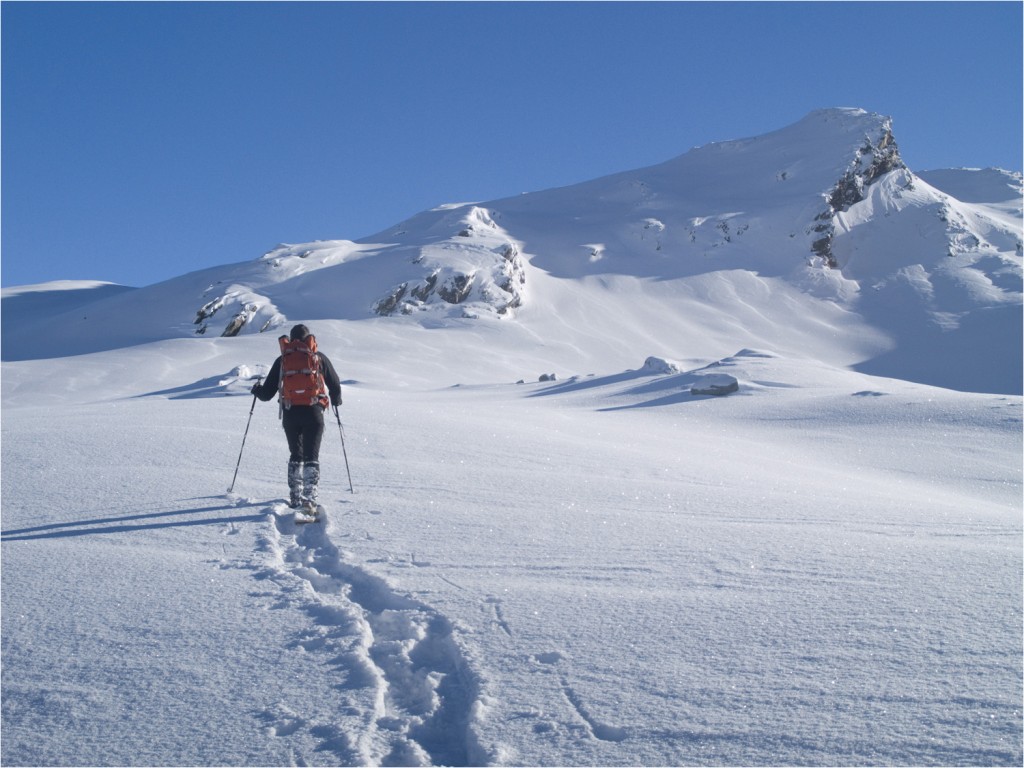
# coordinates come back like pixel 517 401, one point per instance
pixel 660 365
pixel 876 157
pixel 392 301
pixel 509 278
pixel 455 288
pixel 208 310
pixel 242 317
pixel 717 384
pixel 477 269
pixel 247 306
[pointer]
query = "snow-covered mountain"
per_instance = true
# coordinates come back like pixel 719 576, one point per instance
pixel 815 240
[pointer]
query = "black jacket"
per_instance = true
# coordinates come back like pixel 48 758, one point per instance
pixel 268 388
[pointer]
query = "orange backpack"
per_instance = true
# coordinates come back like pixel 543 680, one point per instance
pixel 301 382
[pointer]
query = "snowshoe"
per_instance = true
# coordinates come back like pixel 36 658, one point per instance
pixel 308 512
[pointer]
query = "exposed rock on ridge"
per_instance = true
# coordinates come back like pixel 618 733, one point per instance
pixel 478 268
pixel 879 155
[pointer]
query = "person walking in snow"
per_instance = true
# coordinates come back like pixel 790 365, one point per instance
pixel 305 381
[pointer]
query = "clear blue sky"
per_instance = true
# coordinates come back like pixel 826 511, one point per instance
pixel 141 141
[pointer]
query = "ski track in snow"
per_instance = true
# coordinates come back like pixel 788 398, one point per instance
pixel 407 691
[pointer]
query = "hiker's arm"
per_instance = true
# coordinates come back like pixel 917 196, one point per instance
pixel 331 380
pixel 266 389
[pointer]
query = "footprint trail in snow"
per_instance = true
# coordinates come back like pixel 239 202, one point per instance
pixel 401 691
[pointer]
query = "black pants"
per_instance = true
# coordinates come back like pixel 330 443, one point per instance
pixel 304 428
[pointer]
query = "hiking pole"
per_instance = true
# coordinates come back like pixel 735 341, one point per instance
pixel 341 432
pixel 253 408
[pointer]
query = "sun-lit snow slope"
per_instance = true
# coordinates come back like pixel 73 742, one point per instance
pixel 943 277
pixel 814 239
pixel 255 295
pixel 825 207
pixel 746 204
pixel 820 569
pixel 979 185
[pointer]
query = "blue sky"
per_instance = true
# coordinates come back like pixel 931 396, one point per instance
pixel 141 141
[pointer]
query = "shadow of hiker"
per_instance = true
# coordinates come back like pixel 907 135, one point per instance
pixel 127 524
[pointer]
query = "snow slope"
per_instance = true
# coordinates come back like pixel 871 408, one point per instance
pixel 600 569
pixel 823 215
pixel 823 568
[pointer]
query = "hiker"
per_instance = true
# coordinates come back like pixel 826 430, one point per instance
pixel 305 381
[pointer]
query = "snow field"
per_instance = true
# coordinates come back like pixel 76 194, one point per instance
pixel 716 577
pixel 821 569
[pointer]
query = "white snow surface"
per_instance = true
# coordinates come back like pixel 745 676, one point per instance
pixel 601 568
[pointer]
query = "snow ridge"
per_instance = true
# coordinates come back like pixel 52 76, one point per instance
pixel 825 207
pixel 409 693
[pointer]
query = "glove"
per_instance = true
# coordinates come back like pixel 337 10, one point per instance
pixel 255 389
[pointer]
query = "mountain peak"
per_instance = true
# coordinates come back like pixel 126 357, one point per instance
pixel 814 238
pixel 766 202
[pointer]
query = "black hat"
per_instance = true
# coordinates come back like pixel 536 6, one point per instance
pixel 299 332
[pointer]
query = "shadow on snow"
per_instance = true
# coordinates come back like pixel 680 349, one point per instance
pixel 129 524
